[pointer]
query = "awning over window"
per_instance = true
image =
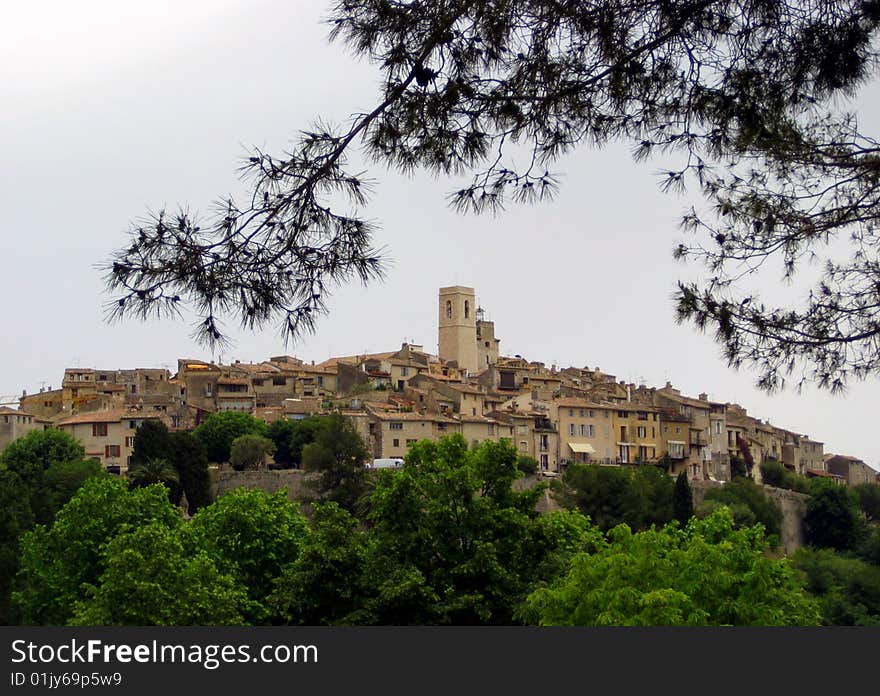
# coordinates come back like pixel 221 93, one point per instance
pixel 676 442
pixel 585 447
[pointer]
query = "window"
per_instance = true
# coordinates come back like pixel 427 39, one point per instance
pixel 624 454
pixel 717 427
pixel 404 371
pixel 111 451
pixel 592 414
pixel 467 309
pixel 395 442
pixel 621 414
pixel 571 413
pixel 571 428
pixel 395 426
pixel 279 381
pixel 129 441
pixel 641 431
pixel 522 430
pixel 582 413
pixel 642 415
pixel 209 389
pixel 99 430
pixel 441 426
pixel 491 429
pixel 523 446
pixel 544 462
pixel 449 309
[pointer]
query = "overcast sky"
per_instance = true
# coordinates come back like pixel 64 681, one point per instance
pixel 111 109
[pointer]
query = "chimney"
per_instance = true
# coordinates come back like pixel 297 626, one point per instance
pixel 704 397
pixel 668 385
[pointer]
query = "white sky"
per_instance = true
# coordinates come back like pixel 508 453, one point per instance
pixel 111 109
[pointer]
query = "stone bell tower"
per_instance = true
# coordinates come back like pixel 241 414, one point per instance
pixel 458 326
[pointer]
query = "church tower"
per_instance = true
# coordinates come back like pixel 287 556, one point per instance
pixel 458 327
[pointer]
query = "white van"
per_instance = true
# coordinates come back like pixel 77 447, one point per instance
pixel 392 463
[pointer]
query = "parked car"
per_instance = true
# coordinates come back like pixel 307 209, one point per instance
pixel 391 463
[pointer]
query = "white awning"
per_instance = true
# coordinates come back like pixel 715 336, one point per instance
pixel 676 442
pixel 584 447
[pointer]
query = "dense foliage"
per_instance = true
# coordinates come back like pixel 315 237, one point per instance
pixel 250 452
pixel 709 573
pixel 219 430
pixel 749 505
pixel 338 455
pixel 847 588
pixel 609 496
pixel 447 539
pixel 833 519
pixel 39 473
pixel 290 436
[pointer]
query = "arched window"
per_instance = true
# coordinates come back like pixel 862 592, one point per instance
pixel 449 309
pixel 467 309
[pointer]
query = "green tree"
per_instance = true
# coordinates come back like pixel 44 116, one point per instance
pixel 57 561
pixel 869 500
pixel 682 499
pixel 709 573
pixel 749 505
pixel 149 580
pixel 338 455
pixel 527 465
pixel 62 480
pixel 325 584
pixel 190 460
pixel 218 431
pixel 250 452
pixel 833 519
pixel 290 436
pixel 251 536
pixel 31 455
pixel 152 471
pixel 743 91
pixel 775 474
pixel 15 519
pixel 152 440
pixel 638 496
pixel 738 468
pixel 848 589
pixel 454 543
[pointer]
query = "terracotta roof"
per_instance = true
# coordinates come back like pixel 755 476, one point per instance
pixel 576 402
pixel 410 416
pixel 824 474
pixel 686 400
pixel 466 389
pixel 114 415
pixel 12 411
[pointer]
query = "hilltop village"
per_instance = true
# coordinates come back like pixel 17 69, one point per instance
pixel 556 415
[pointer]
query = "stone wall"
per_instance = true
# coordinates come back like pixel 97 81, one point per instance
pixel 225 480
